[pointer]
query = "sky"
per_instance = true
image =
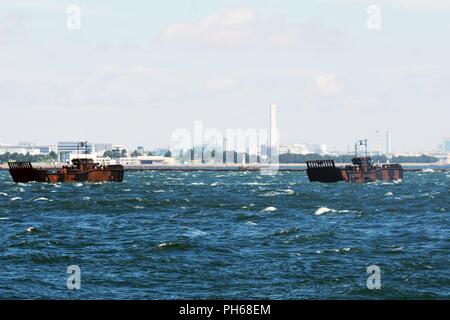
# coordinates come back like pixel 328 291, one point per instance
pixel 136 71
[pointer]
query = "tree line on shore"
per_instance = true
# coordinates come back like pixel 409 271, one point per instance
pixel 7 156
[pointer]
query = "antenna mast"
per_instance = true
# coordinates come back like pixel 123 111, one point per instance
pixel 361 143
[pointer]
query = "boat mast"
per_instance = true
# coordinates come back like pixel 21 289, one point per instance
pixel 361 143
pixel 365 145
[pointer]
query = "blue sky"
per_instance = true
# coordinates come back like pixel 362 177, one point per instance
pixel 138 70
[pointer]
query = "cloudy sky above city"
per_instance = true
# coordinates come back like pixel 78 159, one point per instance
pixel 136 71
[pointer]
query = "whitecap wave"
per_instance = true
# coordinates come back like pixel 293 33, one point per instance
pixel 16 198
pixel 278 193
pixel 41 199
pixel 323 210
pixel 269 209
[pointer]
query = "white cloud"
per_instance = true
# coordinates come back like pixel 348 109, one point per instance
pixel 242 26
pixel 230 27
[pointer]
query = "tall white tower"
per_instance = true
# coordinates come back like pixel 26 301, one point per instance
pixel 388 142
pixel 377 143
pixel 273 137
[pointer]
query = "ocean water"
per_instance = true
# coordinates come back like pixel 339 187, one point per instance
pixel 225 235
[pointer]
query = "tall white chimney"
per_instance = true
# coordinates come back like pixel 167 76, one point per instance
pixel 273 138
pixel 388 142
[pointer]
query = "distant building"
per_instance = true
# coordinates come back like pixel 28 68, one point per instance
pixel 146 160
pixel 273 137
pixel 388 142
pixel 446 145
pixel 317 148
pixel 45 149
pixel 101 148
pixel 19 149
pixel 27 148
pixel 264 150
pixel 65 149
pixel 292 149
pixel 140 149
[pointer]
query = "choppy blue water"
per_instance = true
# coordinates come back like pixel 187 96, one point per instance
pixel 164 235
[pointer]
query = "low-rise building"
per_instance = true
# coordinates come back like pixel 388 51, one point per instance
pixel 146 160
pixel 19 149
pixel 292 149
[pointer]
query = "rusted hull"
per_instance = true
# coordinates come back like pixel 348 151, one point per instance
pixel 372 176
pixel 326 171
pixel 24 172
pixel 91 176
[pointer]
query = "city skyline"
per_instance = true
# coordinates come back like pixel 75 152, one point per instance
pixel 308 147
pixel 333 78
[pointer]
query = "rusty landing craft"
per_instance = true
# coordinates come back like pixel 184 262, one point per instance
pixel 81 170
pixel 361 170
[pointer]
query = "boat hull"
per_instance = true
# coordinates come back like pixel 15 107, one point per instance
pixel 326 171
pixel 23 172
pixel 393 174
